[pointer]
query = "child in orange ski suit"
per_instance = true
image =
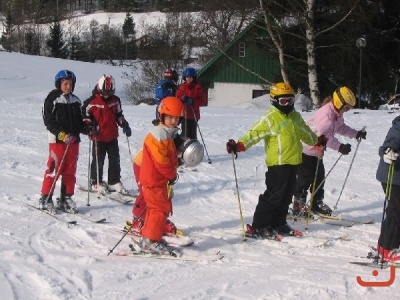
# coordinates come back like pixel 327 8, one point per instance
pixel 159 170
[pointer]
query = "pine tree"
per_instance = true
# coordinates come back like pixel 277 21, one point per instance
pixel 56 42
pixel 31 43
pixel 77 50
pixel 128 30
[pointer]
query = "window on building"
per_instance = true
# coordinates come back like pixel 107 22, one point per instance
pixel 258 93
pixel 242 49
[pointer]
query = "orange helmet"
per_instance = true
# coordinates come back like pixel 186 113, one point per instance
pixel 171 106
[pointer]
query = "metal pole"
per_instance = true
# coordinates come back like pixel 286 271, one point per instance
pixel 359 82
pixel 238 198
pixel 361 43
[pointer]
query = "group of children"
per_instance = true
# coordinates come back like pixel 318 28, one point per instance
pixel 65 118
pixel 190 92
pixel 100 117
pixel 294 155
pixel 295 169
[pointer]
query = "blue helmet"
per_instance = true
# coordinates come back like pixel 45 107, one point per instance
pixel 189 72
pixel 64 74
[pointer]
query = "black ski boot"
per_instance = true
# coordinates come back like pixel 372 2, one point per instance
pixel 321 208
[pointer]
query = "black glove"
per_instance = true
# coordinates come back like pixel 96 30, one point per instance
pixel 127 130
pixel 90 130
pixel 322 140
pixel 187 100
pixel 173 181
pixel 345 149
pixel 362 134
pixel 231 146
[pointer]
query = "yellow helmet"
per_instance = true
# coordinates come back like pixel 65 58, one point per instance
pixel 343 96
pixel 281 89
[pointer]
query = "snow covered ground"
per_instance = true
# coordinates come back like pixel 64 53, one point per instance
pixel 42 258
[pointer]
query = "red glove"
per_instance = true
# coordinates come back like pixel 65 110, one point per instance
pixel 233 147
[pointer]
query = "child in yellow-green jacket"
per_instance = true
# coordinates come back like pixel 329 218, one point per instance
pixel 283 130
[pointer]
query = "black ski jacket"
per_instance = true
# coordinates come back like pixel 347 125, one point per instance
pixel 392 141
pixel 62 113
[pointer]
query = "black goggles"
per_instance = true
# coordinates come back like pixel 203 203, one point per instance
pixel 107 93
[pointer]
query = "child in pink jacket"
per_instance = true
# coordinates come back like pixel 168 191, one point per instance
pixel 328 121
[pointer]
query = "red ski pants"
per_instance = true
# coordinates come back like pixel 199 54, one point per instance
pixel 66 168
pixel 158 209
pixel 140 205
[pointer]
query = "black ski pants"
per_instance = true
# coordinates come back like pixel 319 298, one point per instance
pixel 114 168
pixel 189 129
pixel 390 229
pixel 306 175
pixel 273 205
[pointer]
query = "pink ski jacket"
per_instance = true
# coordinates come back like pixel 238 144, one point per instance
pixel 327 121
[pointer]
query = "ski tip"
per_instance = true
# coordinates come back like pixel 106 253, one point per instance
pixel 72 222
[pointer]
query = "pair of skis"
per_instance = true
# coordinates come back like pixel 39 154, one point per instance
pixel 334 220
pixel 123 198
pixel 200 257
pixel 375 261
pixel 60 217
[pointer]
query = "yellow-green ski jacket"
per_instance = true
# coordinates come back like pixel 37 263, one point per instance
pixel 282 135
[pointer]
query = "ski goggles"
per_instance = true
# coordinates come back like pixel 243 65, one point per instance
pixel 285 101
pixel 107 94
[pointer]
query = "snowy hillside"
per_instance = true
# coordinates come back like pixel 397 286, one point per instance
pixel 42 258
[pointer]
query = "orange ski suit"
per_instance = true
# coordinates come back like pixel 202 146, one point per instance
pixel 159 165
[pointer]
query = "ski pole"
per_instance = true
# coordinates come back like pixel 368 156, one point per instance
pixel 170 186
pixel 314 186
pixel 127 231
pixel 238 197
pixel 96 150
pixel 348 172
pixel 129 147
pixel 170 191
pixel 88 183
pixel 204 144
pixel 185 118
pixel 57 174
pixel 130 156
pixel 388 192
pixel 326 176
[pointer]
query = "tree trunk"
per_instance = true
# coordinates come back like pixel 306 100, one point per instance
pixel 311 60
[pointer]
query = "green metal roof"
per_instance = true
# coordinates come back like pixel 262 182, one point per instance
pixel 226 65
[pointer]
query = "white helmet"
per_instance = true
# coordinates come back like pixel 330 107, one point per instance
pixel 192 153
pixel 106 85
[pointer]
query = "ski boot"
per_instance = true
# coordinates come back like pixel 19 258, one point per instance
pixel 286 230
pixel 321 208
pixel 47 204
pixel 300 208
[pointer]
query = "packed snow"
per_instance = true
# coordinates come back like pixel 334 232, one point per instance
pixel 43 258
